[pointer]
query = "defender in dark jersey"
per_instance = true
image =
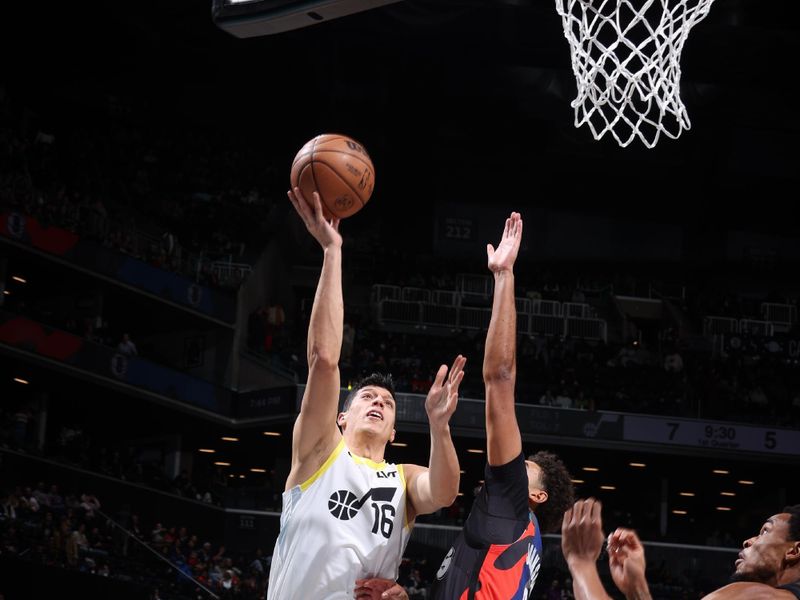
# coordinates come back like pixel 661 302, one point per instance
pixel 496 556
pixel 768 567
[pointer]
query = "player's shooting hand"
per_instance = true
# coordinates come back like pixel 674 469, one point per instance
pixel 443 395
pixel 326 232
pixel 379 589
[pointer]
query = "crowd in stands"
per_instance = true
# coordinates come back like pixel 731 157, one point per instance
pixel 664 365
pixel 94 329
pixel 43 524
pixel 756 381
pixel 138 465
pixel 159 193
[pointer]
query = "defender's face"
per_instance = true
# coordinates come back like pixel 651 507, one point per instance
pixel 371 411
pixel 762 555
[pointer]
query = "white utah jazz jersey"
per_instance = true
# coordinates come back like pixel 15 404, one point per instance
pixel 346 522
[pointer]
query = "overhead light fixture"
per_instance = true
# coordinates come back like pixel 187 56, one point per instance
pixel 608 487
pixel 460 494
pixel 18 278
pixel 591 469
pixel 6 292
pixel 639 465
pixel 272 433
pixel 481 481
pixel 258 470
pixel 229 439
pixel 22 381
pixel 400 444
pixel 223 464
pixel 577 481
pixel 475 450
pixel 721 472
pixel 687 494
pixel 462 471
pixel 241 476
pixel 206 450
pixel 678 512
pixel 746 482
pixel 724 508
pixel 727 494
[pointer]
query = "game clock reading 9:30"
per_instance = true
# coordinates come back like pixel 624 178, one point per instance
pixel 745 438
pixel 729 433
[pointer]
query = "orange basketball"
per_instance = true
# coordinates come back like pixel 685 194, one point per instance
pixel 339 169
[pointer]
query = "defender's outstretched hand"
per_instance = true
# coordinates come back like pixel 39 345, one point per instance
pixel 502 259
pixel 443 395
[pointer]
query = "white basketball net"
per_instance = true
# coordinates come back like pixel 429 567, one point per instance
pixel 626 59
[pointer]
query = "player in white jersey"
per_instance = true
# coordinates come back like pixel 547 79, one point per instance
pixel 347 513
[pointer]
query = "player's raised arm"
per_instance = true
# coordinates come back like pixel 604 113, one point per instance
pixel 315 431
pixel 503 439
pixel 437 486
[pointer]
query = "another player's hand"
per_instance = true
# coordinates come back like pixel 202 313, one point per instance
pixel 582 532
pixel 443 395
pixel 326 232
pixel 626 560
pixel 502 259
pixel 379 589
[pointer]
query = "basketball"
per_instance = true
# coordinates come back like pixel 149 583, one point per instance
pixel 339 169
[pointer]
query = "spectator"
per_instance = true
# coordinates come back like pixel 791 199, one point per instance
pixel 126 346
pixel 89 504
pixel 547 399
pixel 673 363
pixel 157 535
pixel 416 587
pixel 76 545
pixel 9 504
pixel 563 400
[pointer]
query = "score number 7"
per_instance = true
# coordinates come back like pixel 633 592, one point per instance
pixel 673 429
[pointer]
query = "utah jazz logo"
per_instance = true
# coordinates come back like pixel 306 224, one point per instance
pixel 344 505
